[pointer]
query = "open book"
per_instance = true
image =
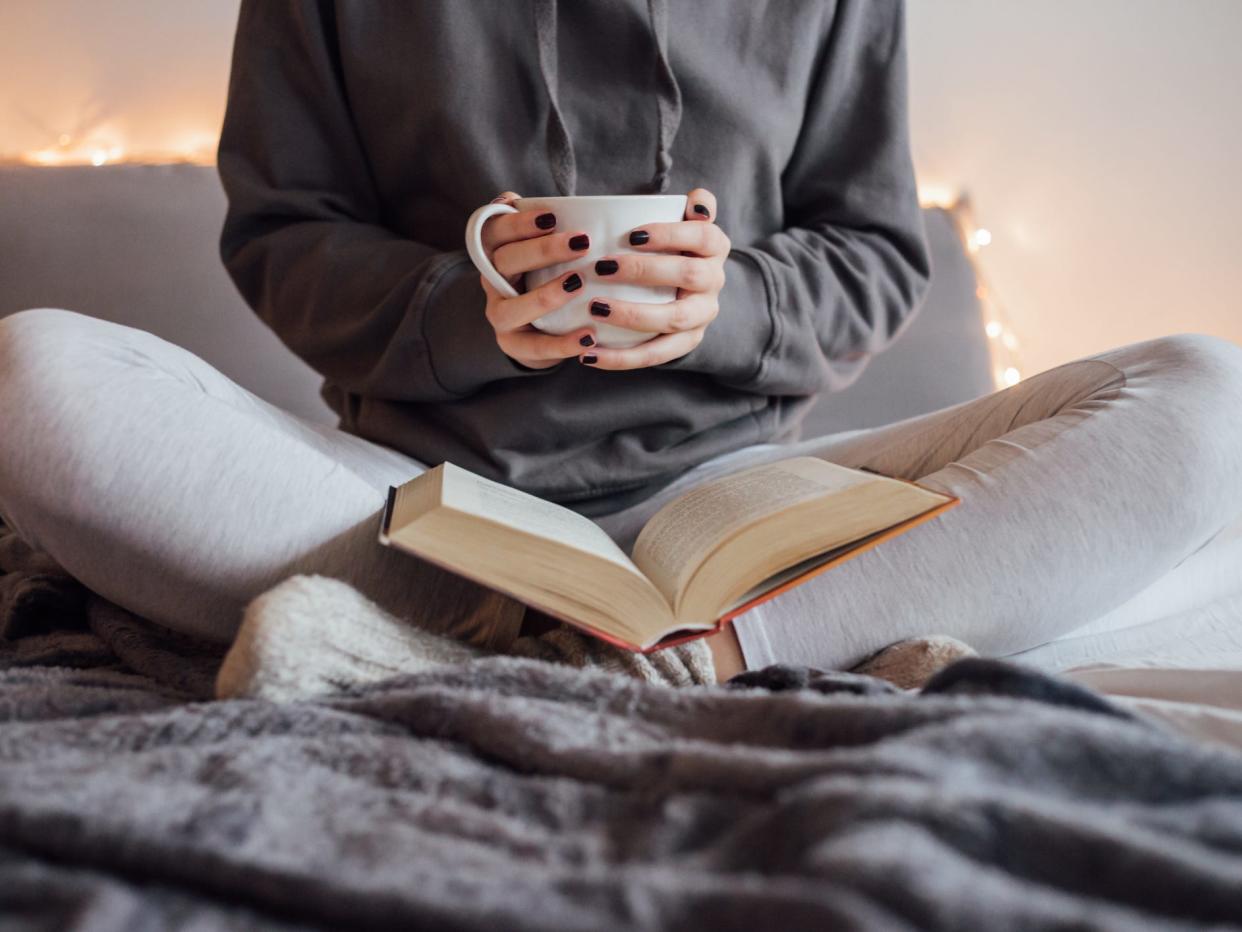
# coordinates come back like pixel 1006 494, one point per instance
pixel 705 557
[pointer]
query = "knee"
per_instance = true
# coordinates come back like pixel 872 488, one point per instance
pixel 49 356
pixel 35 346
pixel 1206 366
pixel 1194 348
pixel 1187 365
pixel 1193 386
pixel 39 324
pixel 53 364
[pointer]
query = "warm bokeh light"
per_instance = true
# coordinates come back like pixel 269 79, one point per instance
pixel 935 194
pixel 83 79
pixel 1003 342
pixel 1110 191
pixel 195 148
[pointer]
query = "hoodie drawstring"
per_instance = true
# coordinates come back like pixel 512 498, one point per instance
pixel 668 99
pixel 560 146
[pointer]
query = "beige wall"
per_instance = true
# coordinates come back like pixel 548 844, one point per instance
pixel 1102 144
pixel 144 74
pixel 1101 140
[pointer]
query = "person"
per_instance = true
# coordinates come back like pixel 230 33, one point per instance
pixel 357 140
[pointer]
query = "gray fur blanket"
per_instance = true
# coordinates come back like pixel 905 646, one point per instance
pixel 515 794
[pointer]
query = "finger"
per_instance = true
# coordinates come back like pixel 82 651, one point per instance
pixel 687 272
pixel 534 346
pixel 507 197
pixel 538 253
pixel 509 228
pixel 688 313
pixel 655 351
pixel 700 205
pixel 511 313
pixel 687 237
pixel 491 292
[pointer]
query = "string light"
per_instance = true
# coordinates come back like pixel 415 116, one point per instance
pixel 98 150
pixel 938 195
pixel 1003 341
pixel 199 148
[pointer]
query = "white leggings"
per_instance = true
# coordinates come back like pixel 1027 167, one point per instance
pixel 175 493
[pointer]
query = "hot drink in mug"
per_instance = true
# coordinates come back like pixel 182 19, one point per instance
pixel 607 220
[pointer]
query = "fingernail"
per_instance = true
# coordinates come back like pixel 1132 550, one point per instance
pixel 701 210
pixel 639 238
pixel 588 359
pixel 587 340
pixel 580 242
pixel 497 200
pixel 606 267
pixel 573 283
pixel 600 309
pixel 545 221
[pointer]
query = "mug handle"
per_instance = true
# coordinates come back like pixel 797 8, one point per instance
pixel 478 255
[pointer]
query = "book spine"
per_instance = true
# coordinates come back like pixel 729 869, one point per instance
pixel 386 517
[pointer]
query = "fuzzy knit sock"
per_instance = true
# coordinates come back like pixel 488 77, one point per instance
pixel 687 664
pixel 311 636
pixel 911 663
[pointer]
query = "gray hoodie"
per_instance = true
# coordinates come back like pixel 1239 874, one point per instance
pixel 360 136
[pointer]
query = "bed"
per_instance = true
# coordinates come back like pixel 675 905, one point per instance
pixel 509 793
pixel 519 794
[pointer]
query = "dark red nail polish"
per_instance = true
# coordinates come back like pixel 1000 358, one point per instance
pixel 600 309
pixel 639 238
pixel 589 359
pixel 606 267
pixel 545 221
pixel 573 283
pixel 580 242
pixel 587 340
pixel 701 210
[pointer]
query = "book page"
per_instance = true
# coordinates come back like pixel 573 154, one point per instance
pixel 466 492
pixel 681 535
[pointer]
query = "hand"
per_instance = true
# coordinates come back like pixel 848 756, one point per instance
pixel 694 252
pixel 517 244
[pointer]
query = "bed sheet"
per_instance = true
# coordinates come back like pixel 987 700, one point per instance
pixel 1174 652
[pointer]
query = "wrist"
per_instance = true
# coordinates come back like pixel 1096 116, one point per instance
pixel 736 342
pixel 461 345
pixel 530 367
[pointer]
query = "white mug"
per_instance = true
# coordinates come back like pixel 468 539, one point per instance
pixel 608 221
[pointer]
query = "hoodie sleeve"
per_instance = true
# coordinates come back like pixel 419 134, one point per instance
pixel 304 238
pixel 803 309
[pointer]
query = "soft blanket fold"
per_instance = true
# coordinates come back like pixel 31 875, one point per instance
pixel 519 794
pixel 509 793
